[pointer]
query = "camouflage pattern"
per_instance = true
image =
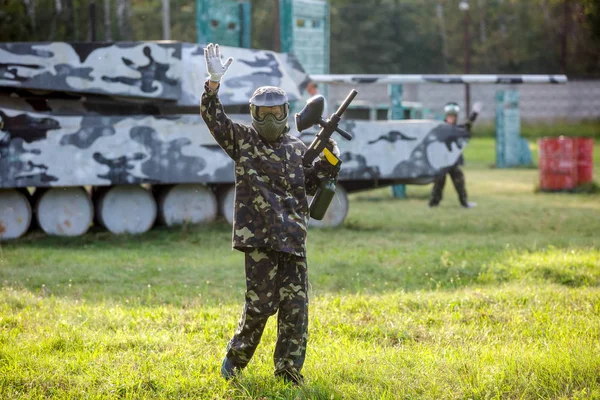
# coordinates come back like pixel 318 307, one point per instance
pixel 43 150
pixel 127 113
pixel 458 179
pixel 173 72
pixel 275 281
pixel 120 149
pixel 271 184
pixel 387 152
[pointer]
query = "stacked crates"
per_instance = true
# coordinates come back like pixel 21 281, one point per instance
pixel 511 149
pixel 304 29
pixel 397 112
pixel 226 22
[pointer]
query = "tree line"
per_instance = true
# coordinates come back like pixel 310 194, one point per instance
pixel 368 36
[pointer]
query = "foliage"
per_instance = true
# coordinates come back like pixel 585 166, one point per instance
pixel 370 36
pixel 429 36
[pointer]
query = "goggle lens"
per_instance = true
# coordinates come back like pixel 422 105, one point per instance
pixel 277 111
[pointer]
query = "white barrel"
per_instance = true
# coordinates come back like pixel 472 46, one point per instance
pixel 15 214
pixel 186 204
pixel 126 209
pixel 335 215
pixel 337 211
pixel 226 200
pixel 64 211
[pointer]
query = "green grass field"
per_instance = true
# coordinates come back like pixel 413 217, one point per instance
pixel 532 131
pixel 500 301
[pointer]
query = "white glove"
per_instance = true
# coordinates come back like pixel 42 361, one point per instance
pixel 215 68
pixel 477 107
pixel 336 149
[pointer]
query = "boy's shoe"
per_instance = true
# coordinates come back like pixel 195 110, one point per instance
pixel 289 376
pixel 469 204
pixel 228 370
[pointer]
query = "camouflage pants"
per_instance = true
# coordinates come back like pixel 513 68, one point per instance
pixel 274 281
pixel 458 179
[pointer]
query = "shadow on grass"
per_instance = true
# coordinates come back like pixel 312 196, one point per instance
pixel 371 253
pixel 158 280
pixel 258 387
pixel 453 220
pixel 98 236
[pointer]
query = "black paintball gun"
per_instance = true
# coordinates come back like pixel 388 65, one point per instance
pixel 309 116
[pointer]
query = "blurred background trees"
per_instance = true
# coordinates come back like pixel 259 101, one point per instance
pixel 367 36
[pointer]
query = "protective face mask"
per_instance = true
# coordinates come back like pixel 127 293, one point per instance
pixel 269 128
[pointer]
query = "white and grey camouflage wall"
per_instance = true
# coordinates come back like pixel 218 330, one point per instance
pixel 574 101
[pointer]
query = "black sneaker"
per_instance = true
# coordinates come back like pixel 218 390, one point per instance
pixel 228 370
pixel 289 376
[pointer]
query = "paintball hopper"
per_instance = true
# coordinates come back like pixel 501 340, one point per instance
pixel 311 113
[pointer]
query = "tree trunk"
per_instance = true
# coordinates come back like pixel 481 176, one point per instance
pixel 107 22
pixel 124 19
pixel 276 27
pixel 69 22
pixel 55 18
pixel 92 22
pixel 439 11
pixel 565 34
pixel 30 7
pixel 482 30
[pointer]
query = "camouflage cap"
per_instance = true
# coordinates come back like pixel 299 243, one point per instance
pixel 268 96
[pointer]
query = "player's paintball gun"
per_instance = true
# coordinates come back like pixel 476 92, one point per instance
pixel 309 116
pixel 477 107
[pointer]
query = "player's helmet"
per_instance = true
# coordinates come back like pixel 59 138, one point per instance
pixel 269 108
pixel 451 109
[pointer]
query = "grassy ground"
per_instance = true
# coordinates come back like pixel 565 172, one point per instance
pixel 589 128
pixel 500 301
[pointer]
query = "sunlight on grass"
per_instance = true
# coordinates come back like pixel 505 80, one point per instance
pixel 510 341
pixel 575 267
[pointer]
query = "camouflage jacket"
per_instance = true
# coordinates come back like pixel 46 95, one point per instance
pixel 271 184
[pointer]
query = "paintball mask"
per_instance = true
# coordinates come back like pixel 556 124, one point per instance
pixel 451 109
pixel 269 108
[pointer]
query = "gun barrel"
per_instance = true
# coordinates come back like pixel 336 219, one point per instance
pixel 327 128
pixel 346 103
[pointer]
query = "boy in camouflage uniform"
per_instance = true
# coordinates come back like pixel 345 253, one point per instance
pixel 451 111
pixel 270 220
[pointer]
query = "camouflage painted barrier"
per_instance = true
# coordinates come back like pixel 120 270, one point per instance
pixel 114 115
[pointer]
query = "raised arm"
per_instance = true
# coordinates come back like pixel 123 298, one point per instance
pixel 474 113
pixel 226 132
